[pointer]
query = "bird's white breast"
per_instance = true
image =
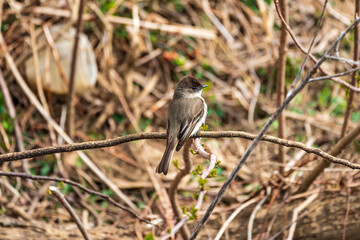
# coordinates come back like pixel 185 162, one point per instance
pixel 202 120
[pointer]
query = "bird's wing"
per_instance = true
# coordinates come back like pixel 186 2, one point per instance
pixel 188 125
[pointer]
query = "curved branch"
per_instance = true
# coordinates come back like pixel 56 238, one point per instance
pixel 304 50
pixel 158 135
pixel 185 232
pixel 75 184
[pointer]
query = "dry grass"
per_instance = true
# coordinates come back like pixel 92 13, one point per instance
pixel 139 66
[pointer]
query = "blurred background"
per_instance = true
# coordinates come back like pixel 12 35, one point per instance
pixel 131 55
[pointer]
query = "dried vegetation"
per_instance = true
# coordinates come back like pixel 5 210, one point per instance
pixel 142 49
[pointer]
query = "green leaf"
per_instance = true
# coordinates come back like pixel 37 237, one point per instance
pixel 45 170
pixel 204 127
pixel 108 192
pixel 355 117
pixel 193 213
pixel 118 118
pixel 79 162
pixel 217 164
pixel 192 151
pixel 212 173
pixel 176 163
pixel 202 182
pixel 199 169
pixel 66 189
pixel 150 236
pixel 104 204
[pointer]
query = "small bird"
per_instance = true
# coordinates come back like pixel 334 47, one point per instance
pixel 186 114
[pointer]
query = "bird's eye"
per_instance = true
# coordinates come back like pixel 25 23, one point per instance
pixel 194 88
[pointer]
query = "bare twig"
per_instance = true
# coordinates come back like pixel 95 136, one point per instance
pixel 280 78
pixel 217 23
pixel 311 44
pixel 346 218
pixel 55 54
pixel 233 215
pixel 340 145
pixel 305 51
pixel 75 184
pixel 20 80
pixel 296 214
pixel 353 77
pixel 61 198
pixel 70 118
pixel 212 158
pixel 248 151
pixel 176 29
pixel 345 60
pixel 10 106
pixel 252 217
pixel 354 70
pixel 157 135
pixel 185 232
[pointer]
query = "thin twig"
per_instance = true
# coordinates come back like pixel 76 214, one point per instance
pixel 263 130
pixel 212 158
pixel 217 23
pixel 55 54
pixel 345 60
pixel 185 232
pixel 305 51
pixel 70 117
pixel 335 75
pixel 20 80
pixel 339 146
pixel 233 215
pixel 185 30
pixel 61 198
pixel 252 217
pixel 296 214
pixel 353 77
pixel 12 113
pixel 311 44
pixel 346 218
pixel 280 78
pixel 75 184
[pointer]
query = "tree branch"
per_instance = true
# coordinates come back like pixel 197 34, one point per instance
pixel 70 118
pixel 304 50
pixel 61 198
pixel 260 135
pixel 158 135
pixel 185 232
pixel 280 79
pixel 75 184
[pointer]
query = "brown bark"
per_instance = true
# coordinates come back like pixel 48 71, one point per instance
pixel 325 221
pixel 280 78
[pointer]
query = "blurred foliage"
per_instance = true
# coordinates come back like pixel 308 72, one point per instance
pixel 106 5
pixel 149 236
pixel 253 4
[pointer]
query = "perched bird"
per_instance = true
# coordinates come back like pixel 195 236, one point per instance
pixel 186 114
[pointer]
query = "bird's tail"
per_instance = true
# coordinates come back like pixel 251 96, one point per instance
pixel 163 166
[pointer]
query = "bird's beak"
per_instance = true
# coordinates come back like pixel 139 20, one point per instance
pixel 204 86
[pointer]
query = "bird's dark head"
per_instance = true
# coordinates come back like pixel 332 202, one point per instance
pixel 188 86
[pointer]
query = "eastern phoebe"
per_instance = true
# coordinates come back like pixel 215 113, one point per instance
pixel 186 114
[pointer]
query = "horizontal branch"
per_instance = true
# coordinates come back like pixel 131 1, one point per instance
pixel 335 75
pixel 158 135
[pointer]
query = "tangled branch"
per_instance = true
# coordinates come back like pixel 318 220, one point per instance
pixel 75 184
